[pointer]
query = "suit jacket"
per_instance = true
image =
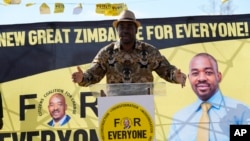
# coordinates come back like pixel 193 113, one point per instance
pixel 66 120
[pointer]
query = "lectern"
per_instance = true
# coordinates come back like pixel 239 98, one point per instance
pixel 126 110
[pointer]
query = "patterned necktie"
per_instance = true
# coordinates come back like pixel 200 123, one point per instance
pixel 203 127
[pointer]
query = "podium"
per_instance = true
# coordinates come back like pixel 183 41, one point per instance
pixel 127 89
pixel 126 110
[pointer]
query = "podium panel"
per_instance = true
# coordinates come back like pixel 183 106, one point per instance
pixel 126 111
pixel 126 118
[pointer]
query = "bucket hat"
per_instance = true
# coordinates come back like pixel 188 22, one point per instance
pixel 126 15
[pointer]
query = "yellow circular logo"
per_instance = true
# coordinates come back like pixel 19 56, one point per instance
pixel 127 121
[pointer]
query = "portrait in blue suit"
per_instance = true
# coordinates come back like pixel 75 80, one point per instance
pixel 57 108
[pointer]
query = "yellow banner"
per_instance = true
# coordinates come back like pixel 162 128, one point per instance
pixel 59 8
pixel 26 100
pixel 110 9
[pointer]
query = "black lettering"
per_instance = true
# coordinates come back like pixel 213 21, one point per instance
pixel 81 132
pixel 49 134
pixel 137 121
pixel 4 135
pixel 93 135
pixel 128 134
pixel 116 121
pixel 22 137
pixel 14 136
pixel 62 137
pixel 31 134
pixel 23 106
pixel 84 104
pixel 124 135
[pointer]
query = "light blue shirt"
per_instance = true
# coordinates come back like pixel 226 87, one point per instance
pixel 224 112
pixel 60 122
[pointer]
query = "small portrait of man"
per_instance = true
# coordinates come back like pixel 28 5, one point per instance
pixel 57 108
pixel 126 123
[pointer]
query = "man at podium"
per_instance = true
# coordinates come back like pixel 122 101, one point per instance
pixel 128 60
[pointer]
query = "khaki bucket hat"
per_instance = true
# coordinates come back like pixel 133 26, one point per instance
pixel 126 15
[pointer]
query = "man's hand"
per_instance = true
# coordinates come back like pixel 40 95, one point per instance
pixel 77 76
pixel 180 77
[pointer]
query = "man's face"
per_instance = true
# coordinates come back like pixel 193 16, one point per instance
pixel 57 107
pixel 126 123
pixel 127 32
pixel 204 77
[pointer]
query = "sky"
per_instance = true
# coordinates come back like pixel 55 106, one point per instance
pixel 20 13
